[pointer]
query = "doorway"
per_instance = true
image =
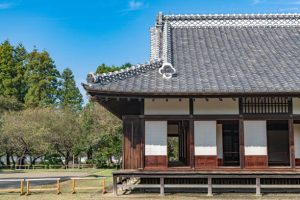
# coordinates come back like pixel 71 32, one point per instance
pixel 178 140
pixel 231 144
pixel 278 143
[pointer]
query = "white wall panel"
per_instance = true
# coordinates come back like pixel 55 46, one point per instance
pixel 155 138
pixel 296 105
pixel 215 106
pixel 205 138
pixel 255 135
pixel 170 107
pixel 220 140
pixel 297 140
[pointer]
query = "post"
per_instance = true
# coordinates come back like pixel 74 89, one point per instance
pixel 162 186
pixel 27 187
pixel 58 187
pixel 292 143
pixel 258 186
pixel 115 188
pixel 242 143
pixel 103 186
pixel 209 186
pixel 21 187
pixel 73 186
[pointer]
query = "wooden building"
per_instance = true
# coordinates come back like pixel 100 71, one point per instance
pixel 220 95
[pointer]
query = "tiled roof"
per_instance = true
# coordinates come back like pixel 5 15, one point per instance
pixel 215 54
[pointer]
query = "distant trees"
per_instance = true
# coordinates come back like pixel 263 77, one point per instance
pixel 103 68
pixel 42 113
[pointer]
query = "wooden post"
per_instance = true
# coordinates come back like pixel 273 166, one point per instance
pixel 209 186
pixel 21 187
pixel 242 143
pixel 27 187
pixel 73 186
pixel 192 144
pixel 103 186
pixel 292 143
pixel 58 186
pixel 258 187
pixel 162 186
pixel 115 188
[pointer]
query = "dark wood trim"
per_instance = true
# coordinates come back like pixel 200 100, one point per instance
pixel 191 106
pixel 142 107
pixel 242 143
pixel 291 143
pixel 123 145
pixel 142 122
pixel 192 144
pixel 297 162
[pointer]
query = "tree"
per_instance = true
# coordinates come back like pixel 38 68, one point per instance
pixel 23 134
pixel 103 68
pixel 9 104
pixel 12 69
pixel 101 132
pixel 7 70
pixel 42 80
pixel 64 133
pixel 70 96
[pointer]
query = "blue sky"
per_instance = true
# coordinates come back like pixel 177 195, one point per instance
pixel 83 34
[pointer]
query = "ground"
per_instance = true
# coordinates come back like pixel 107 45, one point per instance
pixel 93 194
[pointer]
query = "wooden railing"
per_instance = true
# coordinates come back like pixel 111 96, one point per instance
pixel 21 190
pixel 56 188
pixel 74 179
pixel 209 185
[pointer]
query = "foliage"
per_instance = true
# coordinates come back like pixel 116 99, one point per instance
pixel 102 133
pixel 103 68
pixel 70 96
pixel 42 80
pixel 9 104
pixel 12 69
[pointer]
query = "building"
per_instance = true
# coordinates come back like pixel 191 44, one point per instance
pixel 220 95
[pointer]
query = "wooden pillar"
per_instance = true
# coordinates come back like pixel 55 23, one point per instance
pixel 242 143
pixel 209 186
pixel 291 143
pixel 142 129
pixel 258 187
pixel 192 144
pixel 162 186
pixel 115 187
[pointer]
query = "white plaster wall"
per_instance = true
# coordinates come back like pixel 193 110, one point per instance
pixel 255 135
pixel 205 138
pixel 170 107
pixel 296 105
pixel 220 140
pixel 155 138
pixel 297 140
pixel 215 106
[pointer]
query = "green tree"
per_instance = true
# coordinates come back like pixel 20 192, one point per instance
pixel 101 133
pixel 70 96
pixel 20 55
pixel 42 80
pixel 9 104
pixel 7 70
pixel 103 68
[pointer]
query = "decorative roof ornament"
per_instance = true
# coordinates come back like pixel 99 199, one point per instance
pixel 167 70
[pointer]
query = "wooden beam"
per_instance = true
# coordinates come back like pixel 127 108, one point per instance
pixel 192 144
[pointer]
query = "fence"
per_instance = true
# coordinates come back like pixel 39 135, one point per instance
pixel 27 167
pixel 13 190
pixel 88 188
pixel 57 188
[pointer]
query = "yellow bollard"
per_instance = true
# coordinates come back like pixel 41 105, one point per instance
pixel 27 187
pixel 103 186
pixel 73 186
pixel 58 187
pixel 21 187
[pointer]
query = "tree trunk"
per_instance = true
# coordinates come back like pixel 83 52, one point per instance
pixel 13 160
pixel 89 154
pixel 7 158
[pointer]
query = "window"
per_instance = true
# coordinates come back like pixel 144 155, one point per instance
pixel 265 105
